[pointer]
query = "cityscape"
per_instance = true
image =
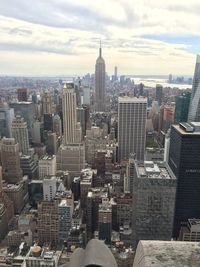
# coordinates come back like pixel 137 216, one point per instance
pixel 102 167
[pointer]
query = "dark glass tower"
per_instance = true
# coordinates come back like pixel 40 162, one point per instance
pixel 184 161
pixel 159 94
pixel 194 109
pixel 182 107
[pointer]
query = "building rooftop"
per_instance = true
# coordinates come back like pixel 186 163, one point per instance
pixel 10 187
pixel 24 219
pixel 185 128
pixel 48 157
pixel 21 103
pixel 149 169
pixel 167 253
pixel 128 99
pixel 38 253
pixel 98 192
pixel 64 203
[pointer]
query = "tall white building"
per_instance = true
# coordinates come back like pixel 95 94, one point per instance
pixel 47 166
pixel 49 189
pixel 132 114
pixel 20 133
pixel 69 115
pixel 194 108
pixel 71 154
pixel 100 78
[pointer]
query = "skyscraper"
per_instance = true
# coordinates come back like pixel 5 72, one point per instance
pixel 105 221
pixel 48 222
pixel 1 184
pixel 25 110
pixel 57 125
pixel 10 158
pixel 132 113
pixel 184 161
pixel 71 154
pixel 100 77
pixel 182 107
pixel 47 166
pixel 69 114
pixel 49 189
pixel 46 103
pixel 154 189
pixel 6 117
pixel 22 94
pixel 194 109
pixel 20 133
pixel 116 77
pixel 159 93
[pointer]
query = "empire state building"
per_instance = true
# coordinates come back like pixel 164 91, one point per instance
pixel 100 83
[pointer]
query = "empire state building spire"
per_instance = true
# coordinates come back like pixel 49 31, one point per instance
pixel 100 75
pixel 100 52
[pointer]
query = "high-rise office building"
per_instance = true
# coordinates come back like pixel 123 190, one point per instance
pixel 85 98
pixel 47 166
pixel 20 133
pixel 10 159
pixel 115 73
pixel 48 222
pixel 22 94
pixel 81 117
pixel 57 125
pixel 3 221
pixel 182 107
pixel 65 211
pixel 132 114
pixel 170 80
pixel 71 154
pixel 184 161
pixel 130 172
pixel 6 117
pixel 71 158
pixel 69 114
pixel 51 145
pixel 36 132
pixel 194 108
pixel 105 221
pixel 154 189
pixel 49 189
pixel 1 184
pixel 29 166
pixel 159 94
pixel 94 197
pixel 100 79
pixel 25 110
pixel 46 103
pixel 48 122
pixel 17 192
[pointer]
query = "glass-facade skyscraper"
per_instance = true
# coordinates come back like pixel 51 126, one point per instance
pixel 184 161
pixel 194 109
pixel 182 107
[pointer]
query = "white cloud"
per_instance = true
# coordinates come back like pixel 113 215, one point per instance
pixel 61 37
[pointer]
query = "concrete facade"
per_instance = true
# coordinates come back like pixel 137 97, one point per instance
pixel 154 189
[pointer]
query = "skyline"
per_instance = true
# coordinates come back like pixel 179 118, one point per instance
pixel 62 38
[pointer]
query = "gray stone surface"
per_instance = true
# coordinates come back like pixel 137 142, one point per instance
pixel 167 254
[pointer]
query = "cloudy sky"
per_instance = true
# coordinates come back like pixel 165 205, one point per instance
pixel 61 37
